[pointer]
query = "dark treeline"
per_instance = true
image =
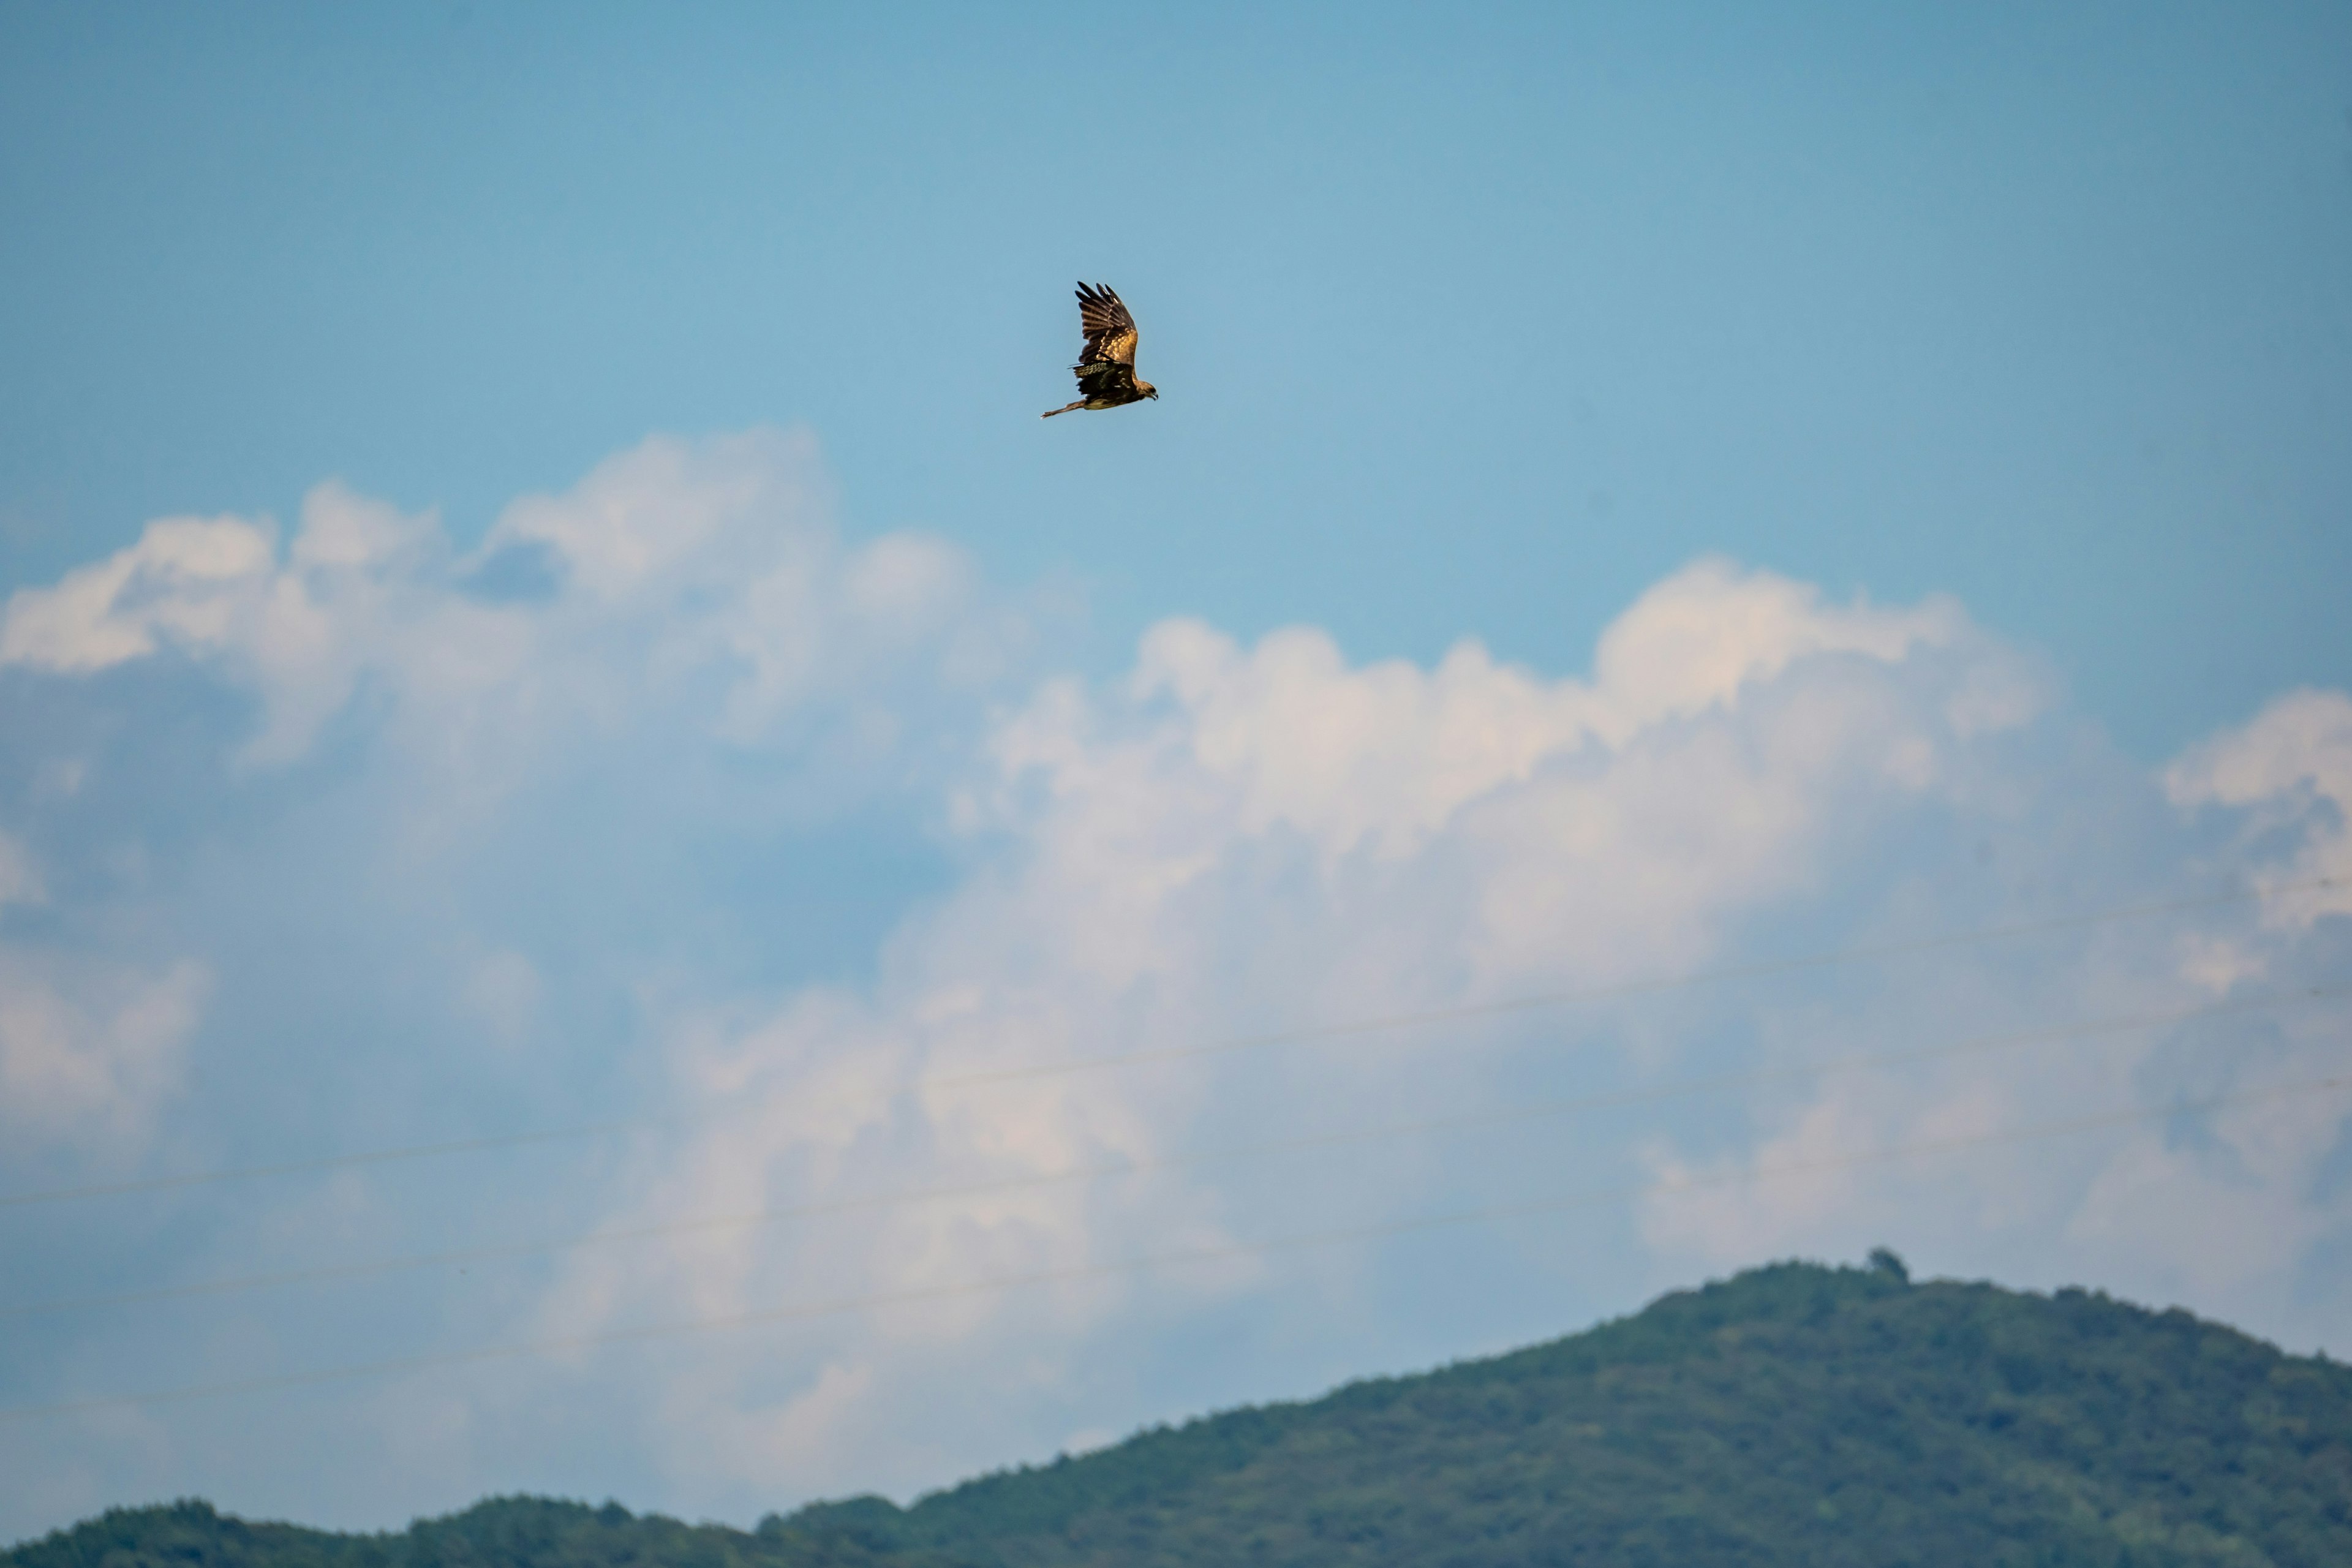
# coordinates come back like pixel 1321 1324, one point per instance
pixel 1796 1414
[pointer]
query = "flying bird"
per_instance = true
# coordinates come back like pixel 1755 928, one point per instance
pixel 1105 369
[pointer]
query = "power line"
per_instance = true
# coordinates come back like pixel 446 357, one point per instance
pixel 336 1162
pixel 1535 1111
pixel 1251 1042
pixel 853 1304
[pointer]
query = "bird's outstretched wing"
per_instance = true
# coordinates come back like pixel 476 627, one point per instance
pixel 1110 332
pixel 1106 368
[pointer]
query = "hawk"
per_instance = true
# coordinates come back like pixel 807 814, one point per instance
pixel 1106 368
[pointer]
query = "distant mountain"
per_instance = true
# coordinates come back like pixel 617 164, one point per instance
pixel 1796 1414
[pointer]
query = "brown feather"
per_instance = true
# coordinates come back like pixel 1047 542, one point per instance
pixel 1106 367
pixel 1110 332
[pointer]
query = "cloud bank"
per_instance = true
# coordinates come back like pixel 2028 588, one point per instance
pixel 359 840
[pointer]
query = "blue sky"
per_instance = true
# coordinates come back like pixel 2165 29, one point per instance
pixel 1481 322
pixel 535 595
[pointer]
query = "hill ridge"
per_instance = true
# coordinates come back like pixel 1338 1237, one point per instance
pixel 1796 1412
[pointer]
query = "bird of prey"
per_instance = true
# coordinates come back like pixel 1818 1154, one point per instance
pixel 1105 369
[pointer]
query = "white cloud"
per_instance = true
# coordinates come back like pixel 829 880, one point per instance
pixel 1391 752
pixel 2205 1219
pixel 706 574
pixel 686 607
pixel 88 1050
pixel 2290 767
pixel 188 580
pixel 620 701
pixel 2229 1213
pixel 1235 838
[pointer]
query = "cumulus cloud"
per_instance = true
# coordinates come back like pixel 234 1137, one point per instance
pixel 187 580
pixel 1236 837
pixel 2289 772
pixel 452 841
pixel 706 574
pixel 2227 1202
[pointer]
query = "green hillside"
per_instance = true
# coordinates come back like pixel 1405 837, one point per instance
pixel 1795 1414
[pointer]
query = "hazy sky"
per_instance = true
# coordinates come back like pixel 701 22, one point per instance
pixel 536 601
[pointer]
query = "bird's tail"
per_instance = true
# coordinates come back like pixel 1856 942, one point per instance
pixel 1065 407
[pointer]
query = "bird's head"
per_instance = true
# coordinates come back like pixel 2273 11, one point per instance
pixel 1149 390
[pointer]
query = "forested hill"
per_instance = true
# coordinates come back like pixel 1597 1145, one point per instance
pixel 1794 1414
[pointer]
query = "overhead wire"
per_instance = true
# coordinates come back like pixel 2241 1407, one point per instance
pixel 949 1081
pixel 1525 1111
pixel 1191 1258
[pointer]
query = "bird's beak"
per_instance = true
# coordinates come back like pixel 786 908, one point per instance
pixel 1155 395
